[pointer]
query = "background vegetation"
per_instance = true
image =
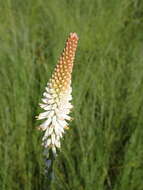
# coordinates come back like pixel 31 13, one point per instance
pixel 103 150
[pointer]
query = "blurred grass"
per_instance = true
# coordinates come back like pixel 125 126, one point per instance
pixel 103 150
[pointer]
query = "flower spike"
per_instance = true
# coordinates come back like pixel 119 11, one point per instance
pixel 57 96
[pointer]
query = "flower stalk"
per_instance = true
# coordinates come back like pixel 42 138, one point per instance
pixel 56 101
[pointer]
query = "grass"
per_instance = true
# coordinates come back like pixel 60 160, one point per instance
pixel 103 150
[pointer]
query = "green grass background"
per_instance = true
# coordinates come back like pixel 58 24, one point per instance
pixel 103 150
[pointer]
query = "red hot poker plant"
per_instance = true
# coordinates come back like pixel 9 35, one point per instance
pixel 57 96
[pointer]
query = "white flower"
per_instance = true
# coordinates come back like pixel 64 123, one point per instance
pixel 56 98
